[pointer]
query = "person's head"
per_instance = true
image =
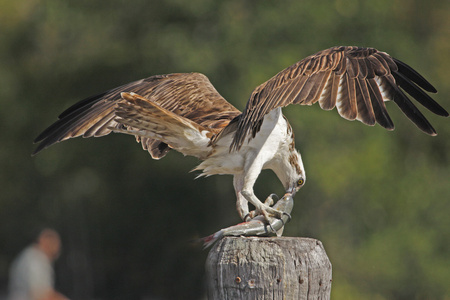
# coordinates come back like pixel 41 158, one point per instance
pixel 49 242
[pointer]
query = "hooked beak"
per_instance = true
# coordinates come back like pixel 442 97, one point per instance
pixel 292 192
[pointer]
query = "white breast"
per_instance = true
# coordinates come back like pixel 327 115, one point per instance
pixel 258 152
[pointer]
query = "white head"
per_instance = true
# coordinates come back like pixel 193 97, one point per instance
pixel 291 172
pixel 298 176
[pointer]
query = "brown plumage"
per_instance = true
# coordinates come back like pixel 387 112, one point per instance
pixel 184 112
pixel 356 80
pixel 191 96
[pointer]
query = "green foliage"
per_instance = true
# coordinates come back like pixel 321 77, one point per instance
pixel 377 200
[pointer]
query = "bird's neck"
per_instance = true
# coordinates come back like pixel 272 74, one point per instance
pixel 287 163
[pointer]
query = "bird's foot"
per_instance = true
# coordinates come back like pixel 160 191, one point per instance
pixel 266 210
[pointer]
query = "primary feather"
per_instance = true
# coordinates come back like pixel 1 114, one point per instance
pixel 184 112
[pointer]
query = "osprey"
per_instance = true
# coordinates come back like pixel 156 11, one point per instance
pixel 184 112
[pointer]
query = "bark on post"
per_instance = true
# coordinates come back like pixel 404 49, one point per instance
pixel 268 268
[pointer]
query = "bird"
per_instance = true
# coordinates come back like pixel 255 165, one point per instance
pixel 184 112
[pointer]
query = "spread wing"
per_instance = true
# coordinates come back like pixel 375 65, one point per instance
pixel 189 95
pixel 355 80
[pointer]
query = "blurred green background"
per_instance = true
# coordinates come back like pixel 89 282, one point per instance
pixel 378 200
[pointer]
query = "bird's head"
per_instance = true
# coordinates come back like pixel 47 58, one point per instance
pixel 296 176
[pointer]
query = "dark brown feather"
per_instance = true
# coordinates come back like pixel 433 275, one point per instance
pixel 354 70
pixel 409 109
pixel 350 110
pixel 189 95
pixel 418 94
pixel 414 76
pixel 362 68
pixel 378 106
pixel 356 80
pixel 334 91
pixel 365 109
pixel 309 90
pixel 352 67
pixel 321 80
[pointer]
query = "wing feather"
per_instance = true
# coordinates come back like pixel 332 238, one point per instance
pixel 352 67
pixel 365 109
pixel 286 93
pixel 355 80
pixel 414 76
pixel 383 68
pixel 299 88
pixel 410 110
pixel 418 94
pixel 317 89
pixel 145 118
pixel 376 67
pixel 308 92
pixel 378 106
pixel 346 102
pixel 334 92
pixel 190 95
pixel 362 64
pixel 100 127
pixel 327 100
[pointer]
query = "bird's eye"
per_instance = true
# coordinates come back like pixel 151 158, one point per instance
pixel 300 182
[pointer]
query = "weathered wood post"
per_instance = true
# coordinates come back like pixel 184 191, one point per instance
pixel 268 268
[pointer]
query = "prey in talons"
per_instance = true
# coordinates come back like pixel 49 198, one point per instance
pixel 266 211
pixel 185 113
pixel 269 212
pixel 259 225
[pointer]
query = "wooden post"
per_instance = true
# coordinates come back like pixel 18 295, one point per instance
pixel 268 268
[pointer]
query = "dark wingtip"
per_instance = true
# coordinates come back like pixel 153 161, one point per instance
pixel 414 76
pixel 418 94
pixel 430 131
pixel 444 114
pixel 391 128
pixel 38 149
pixel 412 112
pixel 87 102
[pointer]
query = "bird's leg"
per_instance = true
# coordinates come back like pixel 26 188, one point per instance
pixel 242 207
pixel 241 202
pixel 269 201
pixel 243 185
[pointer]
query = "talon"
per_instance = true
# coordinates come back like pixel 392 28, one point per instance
pixel 270 199
pixel 265 211
pixel 289 217
pixel 271 228
pixel 251 215
pixel 247 217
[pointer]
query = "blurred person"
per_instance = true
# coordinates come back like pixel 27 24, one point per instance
pixel 31 275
